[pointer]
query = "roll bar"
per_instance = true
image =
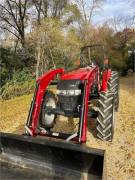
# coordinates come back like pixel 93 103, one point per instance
pixel 90 48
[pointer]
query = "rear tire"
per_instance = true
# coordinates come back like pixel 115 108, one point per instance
pixel 105 119
pixel 113 86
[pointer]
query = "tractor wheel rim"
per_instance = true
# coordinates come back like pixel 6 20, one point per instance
pixel 49 118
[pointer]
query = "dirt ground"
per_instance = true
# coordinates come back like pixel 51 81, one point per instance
pixel 120 153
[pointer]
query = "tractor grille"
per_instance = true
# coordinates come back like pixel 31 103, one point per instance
pixel 67 102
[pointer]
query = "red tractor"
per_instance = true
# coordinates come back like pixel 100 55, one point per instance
pixel 75 91
pixel 32 156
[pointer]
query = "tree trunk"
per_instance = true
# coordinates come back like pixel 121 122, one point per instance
pixel 45 10
pixel 38 62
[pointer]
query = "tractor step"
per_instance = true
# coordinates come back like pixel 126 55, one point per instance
pixel 24 157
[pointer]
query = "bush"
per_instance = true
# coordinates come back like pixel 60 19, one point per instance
pixel 21 76
pixel 8 90
pixel 22 83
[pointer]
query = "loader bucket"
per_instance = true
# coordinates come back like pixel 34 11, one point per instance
pixel 25 157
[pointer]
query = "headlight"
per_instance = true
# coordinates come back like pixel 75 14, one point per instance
pixel 75 92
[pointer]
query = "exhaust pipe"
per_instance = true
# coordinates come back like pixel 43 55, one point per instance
pixel 25 157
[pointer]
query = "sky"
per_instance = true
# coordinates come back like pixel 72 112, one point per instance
pixel 113 8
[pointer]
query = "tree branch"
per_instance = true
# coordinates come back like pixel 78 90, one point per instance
pixel 11 25
pixel 14 2
pixel 5 9
pixel 24 7
pixel 17 36
pixel 12 14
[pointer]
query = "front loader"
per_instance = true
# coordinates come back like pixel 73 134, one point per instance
pixel 43 152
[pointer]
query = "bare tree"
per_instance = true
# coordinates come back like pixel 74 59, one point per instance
pixel 38 6
pixel 49 8
pixel 119 23
pixel 13 18
pixel 45 7
pixel 89 8
pixel 57 7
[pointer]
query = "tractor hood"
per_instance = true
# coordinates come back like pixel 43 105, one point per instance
pixel 81 73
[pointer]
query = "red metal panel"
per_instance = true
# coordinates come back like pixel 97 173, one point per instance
pixel 81 73
pixel 43 82
pixel 91 76
pixel 105 77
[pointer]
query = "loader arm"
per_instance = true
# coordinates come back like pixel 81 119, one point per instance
pixel 92 76
pixel 35 108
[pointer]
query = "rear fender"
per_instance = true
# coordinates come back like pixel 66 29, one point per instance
pixel 105 77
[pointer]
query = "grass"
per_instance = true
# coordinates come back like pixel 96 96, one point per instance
pixel 120 153
pixel 13 113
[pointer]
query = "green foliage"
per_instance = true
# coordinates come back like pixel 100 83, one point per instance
pixel 8 60
pixel 21 76
pixel 11 61
pixel 21 83
pixel 10 90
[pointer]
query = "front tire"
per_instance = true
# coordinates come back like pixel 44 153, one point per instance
pixel 105 119
pixel 48 120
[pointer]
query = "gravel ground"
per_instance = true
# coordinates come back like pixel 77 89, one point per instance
pixel 120 153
